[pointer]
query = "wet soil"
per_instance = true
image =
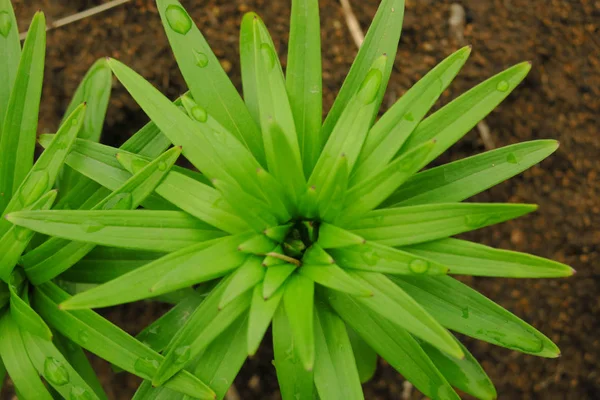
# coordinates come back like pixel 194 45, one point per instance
pixel 560 99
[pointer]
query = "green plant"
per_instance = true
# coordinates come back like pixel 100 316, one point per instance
pixel 328 232
pixel 37 340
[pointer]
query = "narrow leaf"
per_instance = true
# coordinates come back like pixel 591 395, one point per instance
pixel 10 54
pixel 243 279
pixel 365 356
pixel 331 237
pixel 275 277
pixel 261 313
pixel 334 277
pixel 298 300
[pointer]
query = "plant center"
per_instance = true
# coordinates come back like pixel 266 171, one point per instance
pixel 299 238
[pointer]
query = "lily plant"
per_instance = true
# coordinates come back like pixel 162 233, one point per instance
pixel 330 232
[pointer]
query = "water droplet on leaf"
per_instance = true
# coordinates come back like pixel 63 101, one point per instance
pixel 199 114
pixel 370 86
pixel 418 266
pixel 146 366
pixel 409 117
pixel 162 166
pixel 512 158
pixel 183 354
pixel 268 55
pixel 477 221
pixel 465 312
pixel 502 86
pixel 121 201
pixel 178 19
pixel 5 23
pixel 79 393
pixel 138 165
pixel 92 226
pixel 201 59
pixel 21 234
pixel 34 187
pixel 55 372
pixel 83 336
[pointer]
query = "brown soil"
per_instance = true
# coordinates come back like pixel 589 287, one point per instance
pixel 560 99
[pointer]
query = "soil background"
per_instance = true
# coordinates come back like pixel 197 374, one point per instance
pixel 560 99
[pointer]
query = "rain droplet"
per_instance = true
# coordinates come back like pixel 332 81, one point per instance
pixel 146 366
pixel 183 354
pixel 477 221
pixel 79 393
pixel 465 312
pixel 21 234
pixel 5 23
pixel 178 19
pixel 199 114
pixel 138 165
pixel 34 186
pixel 201 59
pixel 418 266
pixel 512 158
pixel 121 201
pixel 83 336
pixel 92 226
pixel 74 121
pixel 268 55
pixel 162 166
pixel 502 86
pixel 220 136
pixel 370 256
pixel 409 117
pixel 370 86
pixel 55 372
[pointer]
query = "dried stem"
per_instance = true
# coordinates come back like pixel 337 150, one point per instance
pixel 357 34
pixel 285 258
pixel 81 15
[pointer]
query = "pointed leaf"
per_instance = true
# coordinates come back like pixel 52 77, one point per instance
pixel 459 180
pixel 243 279
pixel 27 319
pixel 298 300
pixel 417 224
pixel 261 313
pixel 205 77
pixel 10 54
pixel 106 340
pixel 365 356
pixel 331 237
pixel 334 277
pixel 462 309
pixel 17 143
pixel 275 277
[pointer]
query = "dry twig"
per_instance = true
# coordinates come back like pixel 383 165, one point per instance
pixel 357 34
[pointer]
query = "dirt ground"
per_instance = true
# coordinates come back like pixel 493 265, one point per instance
pixel 560 99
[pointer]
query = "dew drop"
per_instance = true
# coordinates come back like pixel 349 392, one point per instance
pixel 5 23
pixel 34 186
pixel 138 165
pixel 370 256
pixel 183 354
pixel 92 226
pixel 178 19
pixel 502 86
pixel 220 136
pixel 409 117
pixel 83 336
pixel 511 158
pixel 74 121
pixel 268 55
pixel 162 166
pixel 418 266
pixel 465 312
pixel 477 221
pixel 201 59
pixel 370 86
pixel 79 393
pixel 121 201
pixel 55 372
pixel 146 366
pixel 199 114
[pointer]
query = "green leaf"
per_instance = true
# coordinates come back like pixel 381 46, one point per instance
pixel 159 334
pixel 303 78
pixel 16 239
pixel 2 374
pixel 466 374
pixel 379 258
pixel 275 277
pixel 56 255
pixel 78 359
pixel 243 279
pixel 10 54
pixel 223 358
pixel 258 244
pixel 393 303
pixel 417 224
pixel 55 368
pixel 162 231
pixel 298 300
pixel 206 79
pixel 104 339
pixel 295 382
pixel 103 264
pixel 27 319
pixel 394 344
pixel 17 143
pixel 330 196
pixel 382 38
pixel 42 175
pixel 217 257
pixel 464 310
pixel 334 277
pixel 454 120
pixel 467 258
pixel 350 131
pixel 336 375
pixel 459 180
pixel 365 356
pixel 20 368
pixel 94 90
pixel 371 193
pixel 395 126
pixel 331 237
pixel 261 314
pixel 203 327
